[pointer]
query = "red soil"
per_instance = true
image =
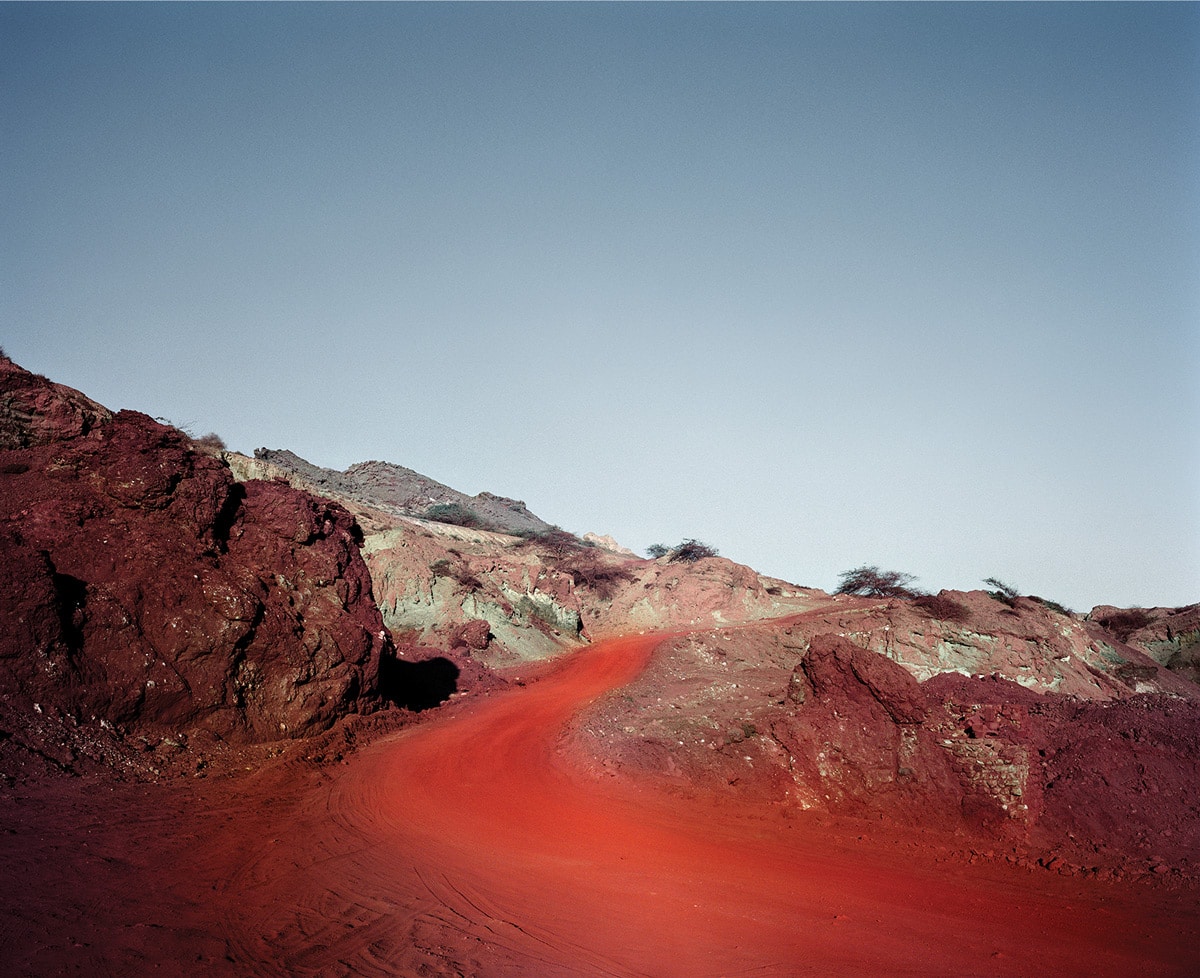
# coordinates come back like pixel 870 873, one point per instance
pixel 471 845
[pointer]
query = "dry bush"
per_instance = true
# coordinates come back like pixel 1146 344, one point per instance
pixel 459 572
pixel 593 572
pixel 1004 593
pixel 942 607
pixel 871 582
pixel 1124 623
pixel 211 440
pixel 692 550
pixel 557 543
pixel 1053 606
pixel 456 514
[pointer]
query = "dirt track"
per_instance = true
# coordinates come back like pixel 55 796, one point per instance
pixel 470 846
pixel 473 840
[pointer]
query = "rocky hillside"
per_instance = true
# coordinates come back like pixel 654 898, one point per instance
pixel 1025 729
pixel 542 595
pixel 400 491
pixel 147 595
pixel 529 595
pixel 157 592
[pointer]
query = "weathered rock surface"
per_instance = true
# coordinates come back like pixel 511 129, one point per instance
pixel 432 580
pixel 34 411
pixel 1103 783
pixel 543 595
pixel 664 595
pixel 859 743
pixel 759 712
pixel 146 592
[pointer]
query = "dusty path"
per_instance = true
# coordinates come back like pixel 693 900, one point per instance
pixel 469 846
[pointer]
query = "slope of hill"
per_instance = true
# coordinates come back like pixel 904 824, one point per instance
pixel 401 491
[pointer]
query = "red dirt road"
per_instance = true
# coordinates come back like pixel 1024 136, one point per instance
pixel 469 846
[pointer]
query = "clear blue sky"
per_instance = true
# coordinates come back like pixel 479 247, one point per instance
pixel 821 285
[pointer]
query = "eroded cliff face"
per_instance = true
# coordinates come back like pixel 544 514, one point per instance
pixel 146 593
pixel 974 634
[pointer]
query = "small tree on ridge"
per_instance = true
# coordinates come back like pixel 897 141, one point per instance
pixel 871 582
pixel 692 550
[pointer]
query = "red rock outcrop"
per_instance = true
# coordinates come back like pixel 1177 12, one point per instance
pixel 859 741
pixel 146 591
pixel 34 411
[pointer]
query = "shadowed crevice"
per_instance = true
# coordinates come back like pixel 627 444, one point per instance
pixel 419 685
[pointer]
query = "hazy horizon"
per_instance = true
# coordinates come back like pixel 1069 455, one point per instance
pixel 822 285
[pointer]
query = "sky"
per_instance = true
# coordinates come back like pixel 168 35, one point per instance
pixel 821 285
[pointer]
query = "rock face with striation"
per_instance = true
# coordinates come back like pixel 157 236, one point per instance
pixel 145 590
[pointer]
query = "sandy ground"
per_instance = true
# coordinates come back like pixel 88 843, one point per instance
pixel 471 845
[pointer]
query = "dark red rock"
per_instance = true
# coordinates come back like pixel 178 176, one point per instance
pixel 475 635
pixel 836 666
pixel 149 590
pixel 34 411
pixel 1108 781
pixel 858 739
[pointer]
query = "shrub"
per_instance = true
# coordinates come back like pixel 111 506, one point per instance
pixel 595 573
pixel 871 582
pixel 1124 623
pixel 456 514
pixel 211 440
pixel 941 607
pixel 1053 606
pixel 692 550
pixel 459 572
pixel 557 542
pixel 1004 593
pixel 656 550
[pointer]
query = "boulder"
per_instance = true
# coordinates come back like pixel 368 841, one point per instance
pixel 148 590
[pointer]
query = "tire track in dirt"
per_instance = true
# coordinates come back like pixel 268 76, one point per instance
pixel 470 846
